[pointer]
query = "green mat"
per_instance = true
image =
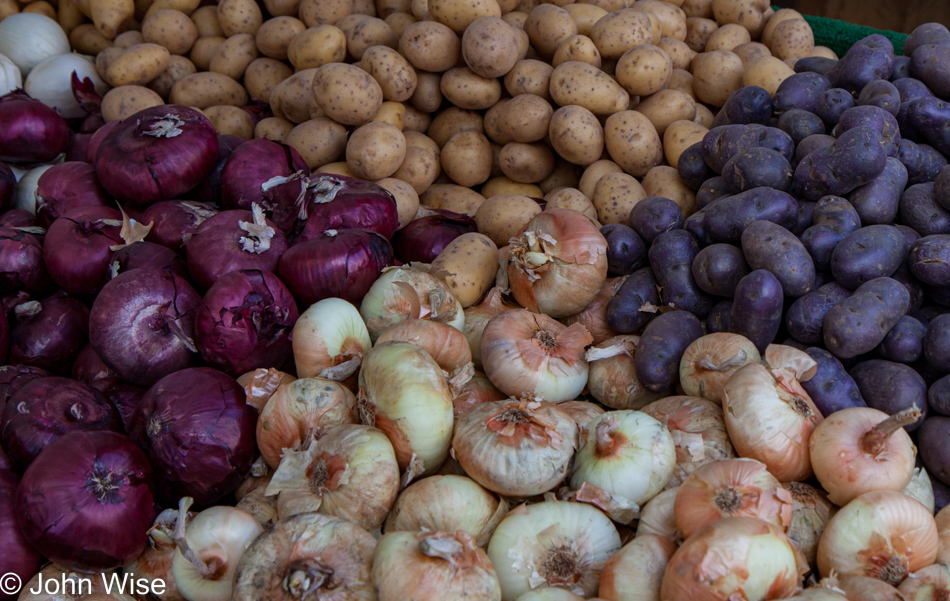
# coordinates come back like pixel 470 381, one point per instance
pixel 839 36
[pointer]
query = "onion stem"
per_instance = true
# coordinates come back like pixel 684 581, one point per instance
pixel 876 438
pixel 207 572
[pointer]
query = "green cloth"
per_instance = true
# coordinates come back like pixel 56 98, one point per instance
pixel 839 35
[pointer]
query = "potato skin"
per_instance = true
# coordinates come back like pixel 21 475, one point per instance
pixel 579 83
pixel 201 90
pixel 929 259
pixel 856 157
pixel 724 142
pixel 770 246
pixel 500 218
pixel 757 167
pixel 623 310
pixel 726 218
pixel 633 142
pixel 919 209
pixel 470 261
pixel 805 316
pixel 936 344
pixel 671 257
pixel 867 253
pixel 800 91
pixel 832 219
pixel 831 388
pixel 757 308
pixel 891 387
pixel 860 322
pixel 346 93
pixel 868 59
pixel 576 135
pixel 661 347
pixel 718 268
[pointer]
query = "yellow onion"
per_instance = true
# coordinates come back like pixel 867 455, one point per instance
pixel 865 588
pixel 927 584
pixel 329 340
pixel 811 511
pixel 800 363
pixel 627 454
pixel 921 489
pixel 698 429
pixel 259 476
pixel 658 516
pixel 351 473
pixel 262 507
pixel 409 292
pixel 404 393
pixel 478 389
pixel 731 488
pixel 550 594
pixel 308 556
pixel 432 566
pixel 552 544
pixel 445 344
pixel 527 352
pixel 612 379
pixel 819 594
pixel 635 572
pixel 734 558
pixel 446 504
pixel 477 317
pixel 558 264
pixel 709 362
pixel 943 534
pixel 305 408
pixel 155 564
pixel 515 448
pixel 583 412
pixel 770 417
pixel 594 316
pixel 860 449
pixel 883 534
pixel 260 384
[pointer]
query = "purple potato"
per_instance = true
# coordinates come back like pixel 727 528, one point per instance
pixel 654 215
pixel 718 268
pixel 750 104
pixel 800 91
pixel 919 210
pixel 722 143
pixel 671 257
pixel 800 124
pixel 901 68
pixel 806 215
pixel 756 168
pixel 811 144
pixel 769 246
pixel 938 396
pixel 857 157
pixel 928 33
pixel 728 217
pixel 871 252
pixel 922 161
pixel 815 64
pixel 860 322
pixel 905 342
pixel 928 120
pixel 868 59
pixel 757 308
pixel 694 225
pixel 712 189
pixel 661 348
pixel 805 316
pixel 832 220
pixel 930 64
pixel 882 94
pixel 929 259
pixel 873 117
pixel 937 344
pixel 831 388
pixel 891 387
pixel 718 318
pixel 934 450
pixel 942 188
pixel 831 104
pixel 692 167
pixel 878 200
pixel 910 88
pixel 626 252
pixel 623 310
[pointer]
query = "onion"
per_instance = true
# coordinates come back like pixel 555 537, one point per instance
pixel 943 533
pixel 635 572
pixel 172 424
pixel 258 504
pixel 299 410
pixel 79 245
pixel 864 588
pixel 156 154
pixel 927 584
pixel 350 472
pixel 552 544
pixel 552 594
pixel 244 322
pixel 882 534
pixel 658 516
pixel 86 501
pixel 308 554
pixel 478 389
pixel 90 369
pixel 336 202
pixel 478 316
pixel 423 239
pixel 30 131
pixel 233 240
pixel 260 384
pixel 921 489
pixel 558 264
pixel 77 148
pixel 445 344
pixel 447 504
pixel 409 292
pixel 594 316
pixel 18 557
pixel 65 187
pixel 404 394
pixel 770 417
pixel 432 566
pixel 26 188
pixel 28 38
pixel 329 340
pixel 10 76
pixel 796 361
pixel 337 263
pixel 515 448
pixel 147 255
pixel 208 191
pixel 15 377
pixel 49 334
pixel 737 557
pixel 142 325
pixel 7 184
pixel 50 82
pixel 709 362
pixel 257 172
pixel 259 477
pixel 96 141
pixel 17 218
pixel 72 585
pixel 811 511
pixel 22 267
pixel 530 352
pixel 174 221
pixel 48 408
pixel 613 378
pixel 155 564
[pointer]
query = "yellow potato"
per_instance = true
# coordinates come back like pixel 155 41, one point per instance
pixel 593 173
pixel 576 135
pixel 780 15
pixel 492 123
pixel 746 13
pixel 128 39
pixel 490 47
pixel 459 15
pixel 665 107
pixel 263 75
pixel 203 50
pixel 171 29
pixel 698 32
pixel 369 32
pixel 792 38
pixel 317 46
pixel 614 197
pixel 452 197
pixel 319 141
pixel 111 17
pixel 643 70
pixel 178 68
pixel 419 169
pixel 430 46
pixel 547 26
pixel 274 36
pixel 185 6
pixel 501 185
pixel 69 16
pixel 577 48
pixel 621 30
pixel 468 266
pixel 320 12
pixel 525 118
pixel 665 181
pixel 452 121
pixel 728 37
pixel 585 15
pixel 697 8
pixel 395 76
pixel 124 101
pixel 585 85
pixel 375 150
pixel 679 136
pixel 526 163
pixel 824 51
pixel 202 90
pixel 86 39
pixel 501 218
pixel 407 201
pixel 388 7
pixel 679 53
pixel 364 7
pixel 632 142
pixel 570 198
pixel 138 65
pixel 704 116
pixel 338 168
pixel 400 21
pixel 716 75
pixel 751 52
pixel 767 73
pixel 672 18
pixel 427 97
pixel 231 120
pixel 273 128
pixel 416 120
pixel 529 76
pixel 292 98
pixel 463 88
pixel 239 16
pixel 564 175
pixel 206 22
pixel 467 158
pixel 393 113
pixel 682 81
pixel 515 18
pixel 234 56
pixel 347 94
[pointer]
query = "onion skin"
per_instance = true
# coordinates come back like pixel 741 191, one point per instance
pixel 173 424
pixel 594 316
pixel 635 572
pixel 865 588
pixel 96 141
pixel 51 338
pixel 7 187
pixel 22 264
pixel 251 165
pixel 18 556
pixel 17 218
pixel 143 160
pixel 709 362
pixel 66 187
pixel 30 131
pixel 329 333
pixel 77 248
pixel 15 377
pixel 174 221
pixel 943 533
pixel 336 202
pixel 811 511
pixel 478 316
pixel 209 190
pixel 445 344
pixel 612 379
pixel 147 255
pixel 409 292
pixel 658 517
pixel 423 239
pixel 60 511
pixel 927 584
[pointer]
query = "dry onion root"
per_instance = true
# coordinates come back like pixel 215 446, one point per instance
pixel 155 563
pixel 409 292
pixel 613 379
pixel 635 572
pixel 811 512
pixel 709 362
pixel 329 340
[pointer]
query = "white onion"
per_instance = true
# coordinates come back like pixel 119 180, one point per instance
pixel 26 189
pixel 10 77
pixel 28 38
pixel 50 82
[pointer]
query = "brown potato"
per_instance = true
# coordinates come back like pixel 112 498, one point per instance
pixel 347 94
pixel 621 30
pixel 679 136
pixel 577 48
pixel 419 169
pixel 682 81
pixel 747 13
pixel 427 97
pixel 171 29
pixel 490 47
pixel 202 90
pixel 792 38
pixel 697 8
pixel 324 12
pixel 665 181
pixel 527 163
pixel 416 120
pixel 751 52
pixel 292 98
pixel 384 8
pixel 529 76
pixel 86 39
pixel 124 101
pixel 467 159
pixel 570 198
pixel 185 6
pixel 203 50
pixel 400 21
pixel 547 26
pixel 679 53
pixel 698 32
pixel 274 36
pixel 263 75
pixel 704 116
pixel 231 120
pixel 665 107
pixel 407 200
pixel 716 75
pixel 392 72
pixel 178 68
pixel 206 22
pixel 585 85
pixel 593 173
pixel 783 14
pixel 501 185
pixel 576 135
pixel 452 121
pixel 492 123
pixel 239 16
pixel 273 128
pixel 319 141
pixel 430 46
pixel 632 142
pixel 585 15
pixel 423 141
pixel 317 46
pixel 526 118
pixel 375 150
pixel 515 18
pixel 40 7
pixel 643 70
pixel 459 15
pixel 767 73
pixel 465 89
pixel 393 113
pixel 111 17
pixel 452 197
pixel 234 55
pixel 501 218
pixel 564 175
pixel 364 7
pixel 728 37
pixel 468 265
pixel 138 65
pixel 615 195
pixel 367 33
pixel 127 39
pixel 672 18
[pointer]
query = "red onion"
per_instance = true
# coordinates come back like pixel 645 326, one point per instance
pixel 90 369
pixel 65 187
pixel 77 248
pixel 21 264
pixel 209 189
pixel 93 148
pixel 423 239
pixel 337 202
pixel 149 255
pixel 6 464
pixel 260 171
pixel 18 556
pixel 17 218
pixel 142 324
pixel 49 333
pixel 87 501
pixel 157 154
pixel 7 187
pixel 4 338
pixel 233 240
pixel 244 322
pixel 14 377
pixel 47 408
pixel 341 264
pixel 126 398
pixel 174 221
pixel 78 147
pixel 199 433
pixel 30 131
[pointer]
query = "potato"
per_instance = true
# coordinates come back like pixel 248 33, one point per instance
pixel 547 26
pixel 407 201
pixel 672 18
pixel 679 136
pixel 178 67
pixel 728 37
pixel 492 123
pixel 585 85
pixel 317 46
pixel 501 185
pixel 593 173
pixel 291 99
pixel 274 36
pixel 430 46
pixel 564 175
pixel 367 33
pixel 716 75
pixel 459 15
pixel 585 15
pixel 767 73
pixel 570 198
pixel 697 8
pixel 420 10
pixel 69 16
pixel 273 128
pixel 524 45
pixel 393 113
pixel 206 22
pixel 746 13
pixel 704 116
pixel 576 135
pixel 234 55
pixel 427 97
pixel 679 53
pixel 416 120
pixel 239 16
pixel 138 65
pixel 400 21
pixel 203 50
pixel 86 39
pixel 780 15
pixel 526 163
pixel 319 141
pixel 577 48
pixel 824 51
pixel 468 265
pixel 529 76
pixel 501 218
pixel 632 142
pixel 452 197
pixel 452 121
pixel 643 70
pixel 347 23
pixel 665 107
pixel 263 75
pixel 111 17
pixel 665 181
pixel 202 90
pixel 525 118
pixel 490 47
pixel 621 30
pixel 698 32
pixel 324 12
pixel 347 94
pixel 615 196
pixel 231 120
pixel 128 39
pixel 375 150
pixel 515 18
pixel 124 101
pixel 171 29
pixel 419 169
pixel 792 38
pixel 466 158
pixel 395 76
pixel 364 7
pixel 466 90
pixel 751 52
pixel 185 6
pixel 338 168
pixel 384 8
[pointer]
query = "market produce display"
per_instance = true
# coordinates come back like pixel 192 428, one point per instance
pixel 498 299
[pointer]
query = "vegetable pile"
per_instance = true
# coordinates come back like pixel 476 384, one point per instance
pixel 502 300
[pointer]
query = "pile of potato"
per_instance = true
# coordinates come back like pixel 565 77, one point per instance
pixel 453 102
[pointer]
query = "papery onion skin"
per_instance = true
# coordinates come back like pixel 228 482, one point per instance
pixel 148 255
pixel 408 292
pixel 155 563
pixel 658 516
pixel 635 572
pixel 337 202
pixel 594 316
pixel 7 187
pixel 22 265
pixel 927 584
pixel 260 384
pixel 15 377
pixel 31 131
pixel 710 361
pixel 52 336
pixel 77 248
pixel 811 511
pixel 445 344
pixel 865 588
pixel 18 556
pixel 921 489
pixel 66 187
pixel 478 316
pixel 741 557
pixel 174 221
pixel 209 189
pixel 479 389
pixel 250 166
pixel 612 380
pixel 307 546
pixel 86 501
pixel 17 218
pixel 328 333
pixel 96 141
